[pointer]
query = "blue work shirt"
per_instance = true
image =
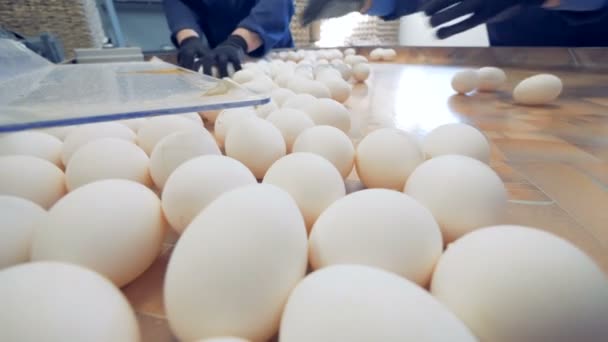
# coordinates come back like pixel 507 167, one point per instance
pixel 573 23
pixel 217 19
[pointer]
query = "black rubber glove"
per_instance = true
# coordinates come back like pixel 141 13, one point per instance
pixel 323 9
pixel 190 50
pixel 232 50
pixel 478 12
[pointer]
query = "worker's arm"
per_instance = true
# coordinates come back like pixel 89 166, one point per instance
pixel 266 25
pixel 182 20
pixel 579 12
pixel 386 9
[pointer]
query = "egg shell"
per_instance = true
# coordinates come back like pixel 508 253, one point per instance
pixel 345 70
pixel 354 60
pixel 291 122
pixel 124 231
pixel 283 79
pixel 280 95
pixel 264 110
pixel 156 128
pixel 133 124
pixel 19 217
pixel 57 296
pixel 490 79
pixel 376 54
pixel 465 81
pixel 210 115
pixel 107 158
pixel 303 102
pixel 228 118
pixel 34 179
pixel 339 89
pixel 361 303
pixel 325 71
pixel 87 133
pixel 198 182
pixel 457 138
pixel 463 194
pixel 513 283
pixel 244 76
pixel 361 72
pixel 310 179
pixel 234 267
pixel 386 157
pixel 256 143
pixel 332 113
pixel 301 85
pixel 331 144
pixel 60 132
pixel 177 148
pixel 260 85
pixel 538 90
pixel 389 54
pixel 32 143
pixel 350 52
pixel 195 117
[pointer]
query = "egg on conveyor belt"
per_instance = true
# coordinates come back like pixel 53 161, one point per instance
pixel 177 148
pixel 235 265
pixel 115 227
pixel 463 193
pixel 331 144
pixel 256 143
pixel 57 302
pixel 465 81
pixel 310 179
pixel 87 133
pixel 32 178
pixel 457 138
pixel 538 90
pixel 513 283
pixel 32 143
pixel 19 219
pixel 379 228
pixel 490 79
pixel 198 182
pixel 156 128
pixel 107 158
pixel 386 157
pixel 229 117
pixel 291 122
pixel 330 112
pixel 361 303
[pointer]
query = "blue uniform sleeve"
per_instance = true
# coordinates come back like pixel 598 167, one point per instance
pixel 401 8
pixel 179 17
pixel 581 12
pixel 270 20
pixel 581 5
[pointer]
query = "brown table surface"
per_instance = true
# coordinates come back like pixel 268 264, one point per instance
pixel 553 159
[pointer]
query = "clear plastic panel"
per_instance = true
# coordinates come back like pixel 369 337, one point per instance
pixel 46 95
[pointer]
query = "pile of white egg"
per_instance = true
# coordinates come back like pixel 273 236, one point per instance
pixel 418 255
pixel 536 90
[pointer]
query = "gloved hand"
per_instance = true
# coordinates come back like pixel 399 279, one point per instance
pixel 323 9
pixel 479 12
pixel 190 50
pixel 232 50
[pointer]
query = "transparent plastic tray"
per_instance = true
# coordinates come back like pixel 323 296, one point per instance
pixel 36 94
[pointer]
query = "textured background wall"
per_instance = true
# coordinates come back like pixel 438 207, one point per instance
pixel 75 22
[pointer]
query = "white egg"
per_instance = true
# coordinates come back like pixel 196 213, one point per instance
pixel 326 71
pixel 463 193
pixel 244 76
pixel 339 89
pixel 291 122
pixel 303 102
pixel 513 283
pixel 133 124
pixel 198 182
pixel 350 52
pixel 115 227
pixel 331 144
pixel 60 132
pixel 19 218
pixel 280 95
pixel 386 157
pixel 256 143
pixel 156 128
pixel 87 133
pixel 354 60
pixel 107 158
pixel 293 56
pixel 57 302
pixel 332 113
pixel 389 54
pixel 376 54
pixel 32 143
pixel 361 72
pixel 456 138
pixel 490 79
pixel 234 267
pixel 34 179
pixel 260 85
pixel 177 148
pixel 465 81
pixel 379 228
pixel 283 55
pixel 195 117
pixel 301 85
pixel 361 303
pixel 264 110
pixel 538 90
pixel 310 179
pixel 283 79
pixel 345 70
pixel 223 339
pixel 210 115
pixel 228 118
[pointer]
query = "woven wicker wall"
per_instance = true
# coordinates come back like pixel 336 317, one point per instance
pixel 75 22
